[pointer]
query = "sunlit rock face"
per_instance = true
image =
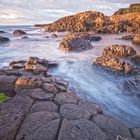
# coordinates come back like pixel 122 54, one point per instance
pixel 132 8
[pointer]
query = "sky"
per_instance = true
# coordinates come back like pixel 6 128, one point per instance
pixel 29 12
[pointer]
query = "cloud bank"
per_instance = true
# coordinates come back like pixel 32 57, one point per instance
pixel 45 11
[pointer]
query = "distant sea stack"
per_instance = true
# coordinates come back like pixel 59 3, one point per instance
pixel 92 21
pixel 133 8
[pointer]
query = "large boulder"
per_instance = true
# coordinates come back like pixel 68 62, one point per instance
pixel 19 33
pixel 4 39
pixel 114 64
pixel 76 42
pixel 136 39
pixel 118 51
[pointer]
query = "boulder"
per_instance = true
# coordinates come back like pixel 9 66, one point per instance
pixel 12 113
pixel 132 86
pixel 111 126
pixel 128 37
pixel 2 32
pixel 75 42
pixel 80 129
pixel 118 51
pixel 24 37
pixel 54 35
pixel 17 64
pixel 136 39
pixel 135 58
pixel 19 33
pixel 4 39
pixel 114 64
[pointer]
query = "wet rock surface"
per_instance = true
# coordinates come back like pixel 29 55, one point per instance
pixel 43 108
pixel 136 39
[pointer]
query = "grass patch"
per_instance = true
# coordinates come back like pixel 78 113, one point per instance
pixel 3 97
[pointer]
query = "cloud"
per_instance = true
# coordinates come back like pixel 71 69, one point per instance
pixel 44 11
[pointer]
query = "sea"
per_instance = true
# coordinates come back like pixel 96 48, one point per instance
pixel 90 83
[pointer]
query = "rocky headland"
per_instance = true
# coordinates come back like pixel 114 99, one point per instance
pixel 126 20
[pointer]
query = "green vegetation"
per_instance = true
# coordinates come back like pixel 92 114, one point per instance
pixel 3 97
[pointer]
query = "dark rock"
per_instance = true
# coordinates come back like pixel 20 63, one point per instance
pixel 118 51
pixel 136 58
pixel 75 42
pixel 52 64
pixel 135 132
pixel 24 37
pixel 12 113
pixel 124 138
pixel 16 65
pixel 63 98
pixel 4 39
pixel 2 32
pixel 34 122
pixel 41 95
pixel 136 39
pixel 19 33
pixel 44 106
pixel 132 86
pixel 72 111
pixel 7 83
pixel 80 130
pixel 111 126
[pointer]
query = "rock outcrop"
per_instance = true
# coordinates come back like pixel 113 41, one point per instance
pixel 136 39
pixel 133 8
pixel 112 59
pixel 4 39
pixel 43 108
pixel 19 33
pixel 78 42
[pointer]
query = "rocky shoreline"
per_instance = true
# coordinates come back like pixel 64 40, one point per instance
pixel 40 107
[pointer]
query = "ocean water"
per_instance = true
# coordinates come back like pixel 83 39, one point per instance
pixel 88 82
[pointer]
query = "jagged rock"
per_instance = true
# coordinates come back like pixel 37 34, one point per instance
pixel 63 98
pixel 114 64
pixel 72 111
pixel 41 95
pixel 136 132
pixel 76 42
pixel 7 83
pixel 50 88
pixel 136 39
pixel 34 123
pixel 12 113
pixel 19 33
pixel 111 126
pixel 81 22
pixel 91 107
pixel 44 106
pixel 132 86
pixel 17 64
pixel 118 51
pixel 52 64
pixel 4 39
pixel 80 130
